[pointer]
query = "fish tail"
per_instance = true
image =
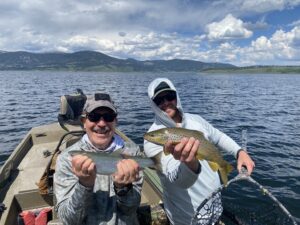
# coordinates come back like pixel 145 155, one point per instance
pixel 224 171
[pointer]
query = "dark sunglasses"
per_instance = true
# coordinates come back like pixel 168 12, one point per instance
pixel 107 117
pixel 170 96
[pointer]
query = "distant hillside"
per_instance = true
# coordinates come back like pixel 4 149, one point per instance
pixel 96 61
pixel 257 69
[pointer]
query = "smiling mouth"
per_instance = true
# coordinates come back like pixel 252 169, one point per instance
pixel 101 131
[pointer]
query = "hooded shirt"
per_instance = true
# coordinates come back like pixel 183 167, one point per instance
pixel 184 190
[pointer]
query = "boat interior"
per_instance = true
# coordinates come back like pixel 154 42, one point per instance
pixel 20 176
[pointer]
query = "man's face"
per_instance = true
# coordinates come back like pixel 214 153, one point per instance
pixel 100 127
pixel 167 102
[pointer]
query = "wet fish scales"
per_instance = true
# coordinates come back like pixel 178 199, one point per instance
pixel 106 163
pixel 207 151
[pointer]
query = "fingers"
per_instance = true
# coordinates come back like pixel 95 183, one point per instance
pixel 190 150
pixel 85 169
pixel 186 150
pixel 245 160
pixel 250 166
pixel 82 165
pixel 127 172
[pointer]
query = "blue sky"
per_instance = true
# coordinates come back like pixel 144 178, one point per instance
pixel 240 32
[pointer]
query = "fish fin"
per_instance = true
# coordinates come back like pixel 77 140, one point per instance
pixel 157 162
pixel 224 171
pixel 214 166
pixel 173 143
pixel 117 152
pixel 166 152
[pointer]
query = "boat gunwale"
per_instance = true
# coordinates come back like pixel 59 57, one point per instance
pixel 10 169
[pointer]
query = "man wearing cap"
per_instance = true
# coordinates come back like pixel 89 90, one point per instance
pixel 85 197
pixel 187 182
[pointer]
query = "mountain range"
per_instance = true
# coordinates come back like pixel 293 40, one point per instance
pixel 96 61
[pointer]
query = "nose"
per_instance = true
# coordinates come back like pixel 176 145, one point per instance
pixel 101 122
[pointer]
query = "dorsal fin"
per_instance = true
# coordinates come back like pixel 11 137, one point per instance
pixel 118 151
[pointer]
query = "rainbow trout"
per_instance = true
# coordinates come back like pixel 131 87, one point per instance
pixel 207 150
pixel 106 163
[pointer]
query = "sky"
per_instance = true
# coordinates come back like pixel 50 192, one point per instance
pixel 239 32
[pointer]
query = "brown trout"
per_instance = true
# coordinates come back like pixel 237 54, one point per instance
pixel 206 151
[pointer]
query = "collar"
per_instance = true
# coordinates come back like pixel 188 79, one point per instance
pixel 117 142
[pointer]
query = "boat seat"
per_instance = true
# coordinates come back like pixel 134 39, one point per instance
pixel 70 110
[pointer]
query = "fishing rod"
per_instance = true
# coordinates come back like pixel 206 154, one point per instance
pixel 243 175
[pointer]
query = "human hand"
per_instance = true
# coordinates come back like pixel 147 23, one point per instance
pixel 185 151
pixel 127 172
pixel 84 168
pixel 245 160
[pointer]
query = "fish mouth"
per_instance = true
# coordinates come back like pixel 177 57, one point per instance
pixel 149 137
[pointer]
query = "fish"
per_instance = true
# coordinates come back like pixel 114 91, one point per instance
pixel 106 163
pixel 206 151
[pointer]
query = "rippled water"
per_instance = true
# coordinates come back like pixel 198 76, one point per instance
pixel 266 106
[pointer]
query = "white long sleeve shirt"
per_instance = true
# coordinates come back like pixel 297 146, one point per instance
pixel 185 190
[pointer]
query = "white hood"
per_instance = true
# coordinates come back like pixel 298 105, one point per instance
pixel 160 116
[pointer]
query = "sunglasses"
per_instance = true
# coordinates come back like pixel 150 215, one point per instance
pixel 170 96
pixel 107 117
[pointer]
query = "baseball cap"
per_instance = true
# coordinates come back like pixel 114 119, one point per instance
pixel 163 86
pixel 98 100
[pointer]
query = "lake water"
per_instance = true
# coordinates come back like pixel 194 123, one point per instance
pixel 264 106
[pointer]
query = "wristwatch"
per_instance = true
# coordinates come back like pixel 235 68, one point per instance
pixel 122 191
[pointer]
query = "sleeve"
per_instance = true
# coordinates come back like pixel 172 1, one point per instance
pixel 221 140
pixel 173 170
pixel 128 204
pixel 72 198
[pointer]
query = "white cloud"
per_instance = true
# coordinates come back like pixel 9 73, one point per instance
pixel 261 44
pixel 262 6
pixel 228 28
pixel 258 25
pixel 158 29
pixel 294 23
pixel 281 48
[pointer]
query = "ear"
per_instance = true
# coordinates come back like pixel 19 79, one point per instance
pixel 83 120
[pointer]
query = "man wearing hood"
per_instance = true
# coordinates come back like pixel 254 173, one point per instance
pixel 187 181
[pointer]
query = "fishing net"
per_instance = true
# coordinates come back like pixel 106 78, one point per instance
pixel 210 210
pixel 255 206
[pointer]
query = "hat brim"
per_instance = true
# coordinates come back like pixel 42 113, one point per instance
pixel 160 91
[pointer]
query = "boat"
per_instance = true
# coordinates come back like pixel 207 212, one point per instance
pixel 26 178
